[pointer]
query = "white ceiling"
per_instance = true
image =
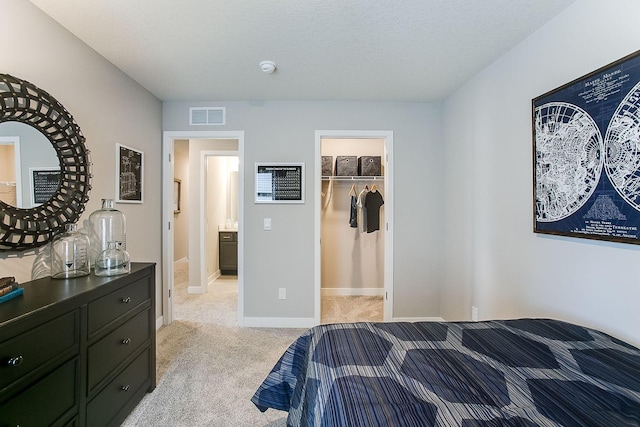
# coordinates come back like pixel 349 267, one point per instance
pixel 394 50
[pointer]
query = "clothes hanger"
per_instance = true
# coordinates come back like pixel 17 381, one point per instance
pixel 353 191
pixel 374 187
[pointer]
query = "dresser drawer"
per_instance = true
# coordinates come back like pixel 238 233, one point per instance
pixel 51 399
pixel 106 405
pixel 108 308
pixel 32 349
pixel 111 350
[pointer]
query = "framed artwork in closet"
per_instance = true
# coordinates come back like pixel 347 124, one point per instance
pixel 279 183
pixel 586 161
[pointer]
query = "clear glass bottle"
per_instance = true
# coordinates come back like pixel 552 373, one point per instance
pixel 70 254
pixel 112 261
pixel 107 225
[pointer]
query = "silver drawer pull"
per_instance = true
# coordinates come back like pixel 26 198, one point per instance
pixel 126 341
pixel 15 361
pixel 125 387
pixel 126 300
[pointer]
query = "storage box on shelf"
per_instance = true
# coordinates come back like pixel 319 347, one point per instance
pixel 327 165
pixel 346 165
pixel 370 166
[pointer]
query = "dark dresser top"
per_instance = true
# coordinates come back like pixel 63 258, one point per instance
pixel 42 293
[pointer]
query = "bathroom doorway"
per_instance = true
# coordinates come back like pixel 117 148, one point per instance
pixel 202 227
pixel 220 216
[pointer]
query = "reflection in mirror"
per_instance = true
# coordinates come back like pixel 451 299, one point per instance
pixel 10 187
pixel 25 152
pixel 28 228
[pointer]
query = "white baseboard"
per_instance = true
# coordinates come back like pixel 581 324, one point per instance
pixel 196 289
pixel 159 322
pixel 367 292
pixel 417 319
pixel 213 277
pixel 184 258
pixel 279 322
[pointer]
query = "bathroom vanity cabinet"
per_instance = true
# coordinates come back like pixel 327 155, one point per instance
pixel 78 352
pixel 228 252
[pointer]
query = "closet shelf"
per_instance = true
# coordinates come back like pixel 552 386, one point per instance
pixel 353 178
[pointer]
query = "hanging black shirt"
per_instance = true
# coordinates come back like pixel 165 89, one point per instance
pixel 372 203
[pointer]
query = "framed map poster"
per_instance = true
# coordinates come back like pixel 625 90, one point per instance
pixel 586 155
pixel 129 174
pixel 279 183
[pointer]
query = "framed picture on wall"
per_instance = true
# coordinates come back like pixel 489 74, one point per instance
pixel 586 160
pixel 129 174
pixel 279 183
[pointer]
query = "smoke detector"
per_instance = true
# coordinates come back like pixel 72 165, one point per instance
pixel 268 67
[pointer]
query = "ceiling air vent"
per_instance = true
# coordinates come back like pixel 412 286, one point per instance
pixel 207 116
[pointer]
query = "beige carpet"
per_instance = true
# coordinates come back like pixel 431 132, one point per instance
pixel 337 309
pixel 208 368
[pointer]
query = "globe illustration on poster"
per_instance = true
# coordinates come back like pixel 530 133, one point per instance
pixel 569 159
pixel 622 144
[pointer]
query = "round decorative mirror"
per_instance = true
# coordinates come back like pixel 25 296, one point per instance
pixel 28 228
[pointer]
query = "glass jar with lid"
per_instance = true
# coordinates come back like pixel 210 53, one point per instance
pixel 112 261
pixel 70 254
pixel 107 225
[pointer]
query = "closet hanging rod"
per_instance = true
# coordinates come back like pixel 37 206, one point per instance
pixel 353 178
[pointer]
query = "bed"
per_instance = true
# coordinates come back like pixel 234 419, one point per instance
pixel 522 372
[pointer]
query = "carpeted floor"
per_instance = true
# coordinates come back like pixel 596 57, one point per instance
pixel 208 368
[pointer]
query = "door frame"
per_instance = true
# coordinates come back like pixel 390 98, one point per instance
pixel 387 136
pixel 168 138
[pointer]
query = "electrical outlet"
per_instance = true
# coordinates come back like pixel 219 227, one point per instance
pixel 474 313
pixel 282 293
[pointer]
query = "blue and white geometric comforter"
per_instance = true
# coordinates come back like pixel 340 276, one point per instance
pixel 525 372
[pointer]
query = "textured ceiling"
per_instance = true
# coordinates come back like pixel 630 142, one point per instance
pixel 402 50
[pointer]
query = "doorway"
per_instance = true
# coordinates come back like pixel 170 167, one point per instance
pixel 204 145
pixel 351 281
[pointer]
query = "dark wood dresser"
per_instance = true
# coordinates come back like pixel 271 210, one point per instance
pixel 78 352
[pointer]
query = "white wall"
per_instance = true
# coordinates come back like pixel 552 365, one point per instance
pixel 284 257
pixel 108 106
pixel 493 259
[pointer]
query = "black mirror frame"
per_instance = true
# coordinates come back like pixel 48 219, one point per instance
pixel 23 229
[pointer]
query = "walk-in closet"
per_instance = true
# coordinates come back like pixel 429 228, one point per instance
pixel 352 229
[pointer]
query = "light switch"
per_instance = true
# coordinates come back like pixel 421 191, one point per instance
pixel 267 224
